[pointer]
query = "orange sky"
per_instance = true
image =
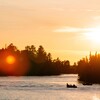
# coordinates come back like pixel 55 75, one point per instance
pixel 58 25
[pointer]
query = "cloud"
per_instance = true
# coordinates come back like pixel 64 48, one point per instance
pixel 73 29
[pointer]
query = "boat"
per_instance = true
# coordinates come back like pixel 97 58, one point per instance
pixel 87 83
pixel 71 86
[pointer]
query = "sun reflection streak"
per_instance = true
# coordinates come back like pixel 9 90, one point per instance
pixel 95 98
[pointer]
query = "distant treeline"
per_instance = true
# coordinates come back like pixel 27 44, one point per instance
pixel 89 69
pixel 29 62
pixel 38 62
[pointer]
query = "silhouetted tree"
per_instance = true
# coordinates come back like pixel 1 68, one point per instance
pixel 11 47
pixel 89 69
pixel 41 55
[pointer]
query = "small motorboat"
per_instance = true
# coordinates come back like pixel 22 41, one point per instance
pixel 71 86
pixel 87 83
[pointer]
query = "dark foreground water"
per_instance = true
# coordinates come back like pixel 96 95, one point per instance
pixel 46 88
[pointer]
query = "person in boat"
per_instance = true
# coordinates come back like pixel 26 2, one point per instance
pixel 71 86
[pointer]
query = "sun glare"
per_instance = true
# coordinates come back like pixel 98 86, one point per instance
pixel 93 35
pixel 10 59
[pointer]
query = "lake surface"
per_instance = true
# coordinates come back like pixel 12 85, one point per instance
pixel 46 88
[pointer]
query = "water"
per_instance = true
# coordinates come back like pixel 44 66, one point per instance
pixel 46 88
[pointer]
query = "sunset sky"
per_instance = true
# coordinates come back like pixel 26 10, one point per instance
pixel 69 29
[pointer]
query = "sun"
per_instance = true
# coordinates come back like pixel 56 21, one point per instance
pixel 10 59
pixel 93 35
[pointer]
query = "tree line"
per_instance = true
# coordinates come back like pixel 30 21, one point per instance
pixel 37 62
pixel 89 69
pixel 31 62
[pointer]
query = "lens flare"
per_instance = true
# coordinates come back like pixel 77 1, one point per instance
pixel 10 59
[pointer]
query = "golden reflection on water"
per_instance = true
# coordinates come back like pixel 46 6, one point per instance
pixel 95 98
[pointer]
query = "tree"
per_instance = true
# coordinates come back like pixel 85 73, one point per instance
pixel 41 55
pixel 11 47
